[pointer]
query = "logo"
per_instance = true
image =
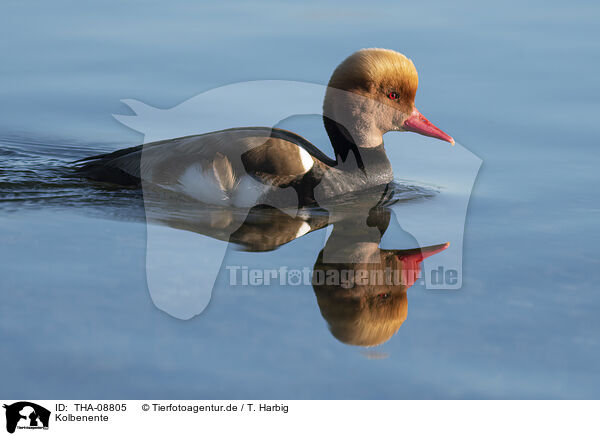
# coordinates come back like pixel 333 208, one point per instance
pixel 26 415
pixel 180 231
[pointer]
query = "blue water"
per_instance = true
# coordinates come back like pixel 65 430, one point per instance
pixel 514 83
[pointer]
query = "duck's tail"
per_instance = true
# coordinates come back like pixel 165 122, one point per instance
pixel 120 167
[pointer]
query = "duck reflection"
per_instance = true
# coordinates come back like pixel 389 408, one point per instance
pixel 262 228
pixel 361 289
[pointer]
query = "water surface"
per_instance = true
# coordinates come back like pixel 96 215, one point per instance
pixel 515 84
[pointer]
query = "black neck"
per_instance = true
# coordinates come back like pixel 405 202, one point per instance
pixel 342 142
pixel 372 158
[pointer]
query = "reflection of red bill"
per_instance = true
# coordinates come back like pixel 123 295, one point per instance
pixel 419 124
pixel 411 261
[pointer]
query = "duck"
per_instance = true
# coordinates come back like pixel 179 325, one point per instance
pixel 370 93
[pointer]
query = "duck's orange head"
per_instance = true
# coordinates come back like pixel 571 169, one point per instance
pixel 383 84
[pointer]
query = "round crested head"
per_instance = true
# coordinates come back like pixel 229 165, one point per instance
pixel 373 92
pixel 378 72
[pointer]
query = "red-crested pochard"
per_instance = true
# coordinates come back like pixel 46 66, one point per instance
pixel 370 93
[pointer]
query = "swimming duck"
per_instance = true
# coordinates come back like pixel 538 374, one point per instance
pixel 370 93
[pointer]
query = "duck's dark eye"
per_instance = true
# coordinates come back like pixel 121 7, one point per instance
pixel 393 96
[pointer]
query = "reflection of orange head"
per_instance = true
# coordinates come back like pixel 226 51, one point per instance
pixel 365 320
pixel 366 303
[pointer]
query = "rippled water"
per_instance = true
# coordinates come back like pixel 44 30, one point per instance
pixel 517 89
pixel 36 174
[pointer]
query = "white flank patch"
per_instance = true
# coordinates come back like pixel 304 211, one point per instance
pixel 306 159
pixel 203 186
pixel 303 230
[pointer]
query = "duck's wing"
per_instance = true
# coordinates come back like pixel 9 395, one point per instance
pixel 272 156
